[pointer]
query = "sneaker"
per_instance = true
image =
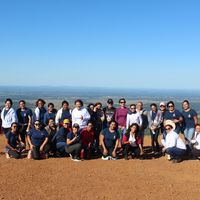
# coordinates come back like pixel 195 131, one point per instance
pixel 7 156
pixel 177 161
pixel 105 157
pixel 168 157
pixel 77 159
pixel 113 158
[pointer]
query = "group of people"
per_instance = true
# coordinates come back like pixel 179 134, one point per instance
pixel 83 133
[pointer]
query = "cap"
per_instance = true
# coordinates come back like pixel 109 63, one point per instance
pixel 66 121
pixel 162 103
pixel 110 101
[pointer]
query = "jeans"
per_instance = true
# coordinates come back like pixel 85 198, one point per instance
pixel 154 140
pixel 175 153
pixel 189 133
pixel 60 146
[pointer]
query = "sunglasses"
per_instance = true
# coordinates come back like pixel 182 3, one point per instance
pixel 37 124
pixel 14 126
pixel 122 102
pixel 132 108
pixel 167 129
pixel 170 106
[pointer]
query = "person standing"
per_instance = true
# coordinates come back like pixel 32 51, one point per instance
pixel 24 116
pixel 120 117
pixel 80 115
pixel 143 113
pixel 155 119
pixel 8 116
pixel 50 114
pixel 174 115
pixel 109 112
pixel 190 120
pixel 63 113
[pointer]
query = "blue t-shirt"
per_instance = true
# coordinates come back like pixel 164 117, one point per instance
pixel 189 118
pixel 48 116
pixel 65 115
pixel 37 137
pixel 71 136
pixel 13 139
pixel 61 135
pixel 109 137
pixel 23 116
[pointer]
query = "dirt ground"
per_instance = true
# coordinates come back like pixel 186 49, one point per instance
pixel 62 178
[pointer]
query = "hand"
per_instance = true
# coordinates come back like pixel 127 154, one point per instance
pixel 114 154
pixel 163 149
pixel 105 152
pixel 41 148
pixel 31 147
pixel 81 117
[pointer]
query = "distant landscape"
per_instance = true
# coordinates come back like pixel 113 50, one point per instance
pixel 92 95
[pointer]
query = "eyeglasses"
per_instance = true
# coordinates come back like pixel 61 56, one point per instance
pixel 162 106
pixel 14 126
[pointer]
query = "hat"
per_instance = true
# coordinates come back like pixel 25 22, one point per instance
pixel 110 101
pixel 170 123
pixel 66 121
pixel 162 103
pixel 75 125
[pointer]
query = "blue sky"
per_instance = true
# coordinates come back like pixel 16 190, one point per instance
pixel 105 43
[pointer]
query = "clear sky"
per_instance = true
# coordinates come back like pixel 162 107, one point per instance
pixel 115 43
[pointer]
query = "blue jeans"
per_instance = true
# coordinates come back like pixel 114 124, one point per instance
pixel 60 146
pixel 189 133
pixel 175 153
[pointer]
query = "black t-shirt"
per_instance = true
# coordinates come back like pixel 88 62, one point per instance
pixel 13 139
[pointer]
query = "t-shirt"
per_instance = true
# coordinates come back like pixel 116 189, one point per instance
pixel 172 115
pixel 109 137
pixel 189 118
pixel 48 116
pixel 61 135
pixel 13 139
pixel 65 115
pixel 5 113
pixel 109 113
pixel 71 136
pixel 23 116
pixel 37 136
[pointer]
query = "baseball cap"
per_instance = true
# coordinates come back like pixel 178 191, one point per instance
pixel 162 103
pixel 66 121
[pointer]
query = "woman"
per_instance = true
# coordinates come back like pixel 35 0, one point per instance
pixel 51 129
pixel 196 142
pixel 173 144
pixel 8 116
pixel 74 143
pixel 162 110
pixel 120 117
pixel 24 115
pixel 60 138
pixel 80 115
pixel 109 141
pixel 132 142
pixel 190 120
pixel 133 117
pixel 50 114
pixel 87 140
pixel 38 141
pixel 40 111
pixel 155 119
pixel 98 124
pixel 14 146
pixel 174 115
pixel 63 113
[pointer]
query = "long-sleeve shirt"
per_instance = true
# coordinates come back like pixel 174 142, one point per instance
pixel 173 140
pixel 133 118
pixel 120 116
pixel 77 117
pixel 8 118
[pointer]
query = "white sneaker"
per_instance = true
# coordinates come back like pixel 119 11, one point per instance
pixel 112 158
pixel 76 159
pixel 168 157
pixel 7 156
pixel 105 158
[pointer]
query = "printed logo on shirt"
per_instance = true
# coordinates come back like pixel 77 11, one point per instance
pixel 174 115
pixel 189 116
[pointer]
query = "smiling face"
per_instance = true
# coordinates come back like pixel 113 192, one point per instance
pixel 22 105
pixel 185 106
pixel 8 105
pixel 168 128
pixel 112 126
pixel 78 105
pixel 197 129
pixel 171 107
